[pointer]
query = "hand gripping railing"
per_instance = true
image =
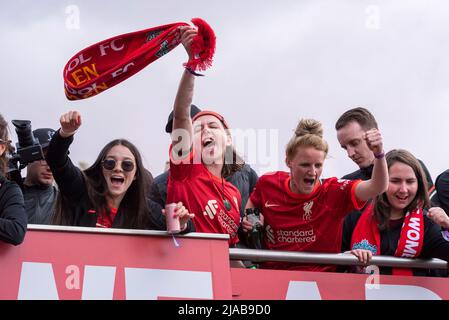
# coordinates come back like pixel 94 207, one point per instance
pixel 332 259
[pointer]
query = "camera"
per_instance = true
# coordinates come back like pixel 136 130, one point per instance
pixel 28 149
pixel 255 235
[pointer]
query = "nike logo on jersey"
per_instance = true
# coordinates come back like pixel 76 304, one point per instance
pixel 269 205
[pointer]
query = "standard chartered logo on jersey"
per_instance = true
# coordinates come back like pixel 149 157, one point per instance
pixel 211 209
pixel 290 236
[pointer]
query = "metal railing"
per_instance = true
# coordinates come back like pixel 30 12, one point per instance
pixel 332 259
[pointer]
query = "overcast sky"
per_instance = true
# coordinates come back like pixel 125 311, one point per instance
pixel 276 62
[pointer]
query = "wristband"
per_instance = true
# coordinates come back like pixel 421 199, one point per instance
pixel 380 155
pixel 194 73
pixel 445 234
pixel 66 135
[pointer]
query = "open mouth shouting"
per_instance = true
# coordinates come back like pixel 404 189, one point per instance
pixel 117 181
pixel 208 143
pixel 310 182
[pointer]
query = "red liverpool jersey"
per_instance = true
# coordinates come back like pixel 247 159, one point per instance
pixel 214 201
pixel 311 223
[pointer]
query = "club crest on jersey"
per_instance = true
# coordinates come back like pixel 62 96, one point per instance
pixel 365 245
pixel 307 211
pixel 269 232
pixel 343 183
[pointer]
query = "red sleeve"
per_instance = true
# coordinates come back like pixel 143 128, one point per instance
pixel 358 204
pixel 342 193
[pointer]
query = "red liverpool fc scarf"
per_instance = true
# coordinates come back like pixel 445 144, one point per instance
pixel 109 62
pixel 366 236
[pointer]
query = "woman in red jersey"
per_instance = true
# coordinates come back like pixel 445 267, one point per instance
pixel 399 221
pixel 201 157
pixel 303 213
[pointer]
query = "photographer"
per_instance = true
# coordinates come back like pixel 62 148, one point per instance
pixel 38 189
pixel 13 219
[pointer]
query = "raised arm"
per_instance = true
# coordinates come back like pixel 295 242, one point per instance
pixel 182 135
pixel 378 183
pixel 69 178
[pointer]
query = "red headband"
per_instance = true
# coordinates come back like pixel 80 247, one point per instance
pixel 109 62
pixel 211 113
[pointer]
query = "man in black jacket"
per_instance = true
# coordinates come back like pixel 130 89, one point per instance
pixel 351 127
pixel 39 190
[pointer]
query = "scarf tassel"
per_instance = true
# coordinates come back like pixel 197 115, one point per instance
pixel 203 47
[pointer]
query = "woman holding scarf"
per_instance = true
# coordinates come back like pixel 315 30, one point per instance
pixel 398 222
pixel 201 157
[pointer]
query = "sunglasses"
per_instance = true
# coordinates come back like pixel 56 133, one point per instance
pixel 5 141
pixel 127 165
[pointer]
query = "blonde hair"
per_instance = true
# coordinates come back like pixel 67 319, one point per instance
pixel 308 133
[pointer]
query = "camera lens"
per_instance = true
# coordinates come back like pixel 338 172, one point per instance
pixel 24 133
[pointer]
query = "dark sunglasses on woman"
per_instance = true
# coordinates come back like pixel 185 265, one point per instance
pixel 127 165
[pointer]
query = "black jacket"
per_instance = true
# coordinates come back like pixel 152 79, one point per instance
pixel 434 245
pixel 441 197
pixel 72 186
pixel 13 218
pixel 39 203
pixel 244 180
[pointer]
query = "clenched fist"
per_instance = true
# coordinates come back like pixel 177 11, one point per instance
pixel 70 122
pixel 374 141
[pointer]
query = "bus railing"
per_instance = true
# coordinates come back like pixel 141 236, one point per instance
pixel 332 259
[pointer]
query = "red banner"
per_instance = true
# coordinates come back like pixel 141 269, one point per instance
pixel 84 263
pixel 299 285
pixel 75 265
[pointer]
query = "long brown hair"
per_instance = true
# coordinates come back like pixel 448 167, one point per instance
pixel 382 207
pixel 235 164
pixel 134 206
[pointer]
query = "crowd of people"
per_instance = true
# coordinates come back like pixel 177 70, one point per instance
pixel 389 206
